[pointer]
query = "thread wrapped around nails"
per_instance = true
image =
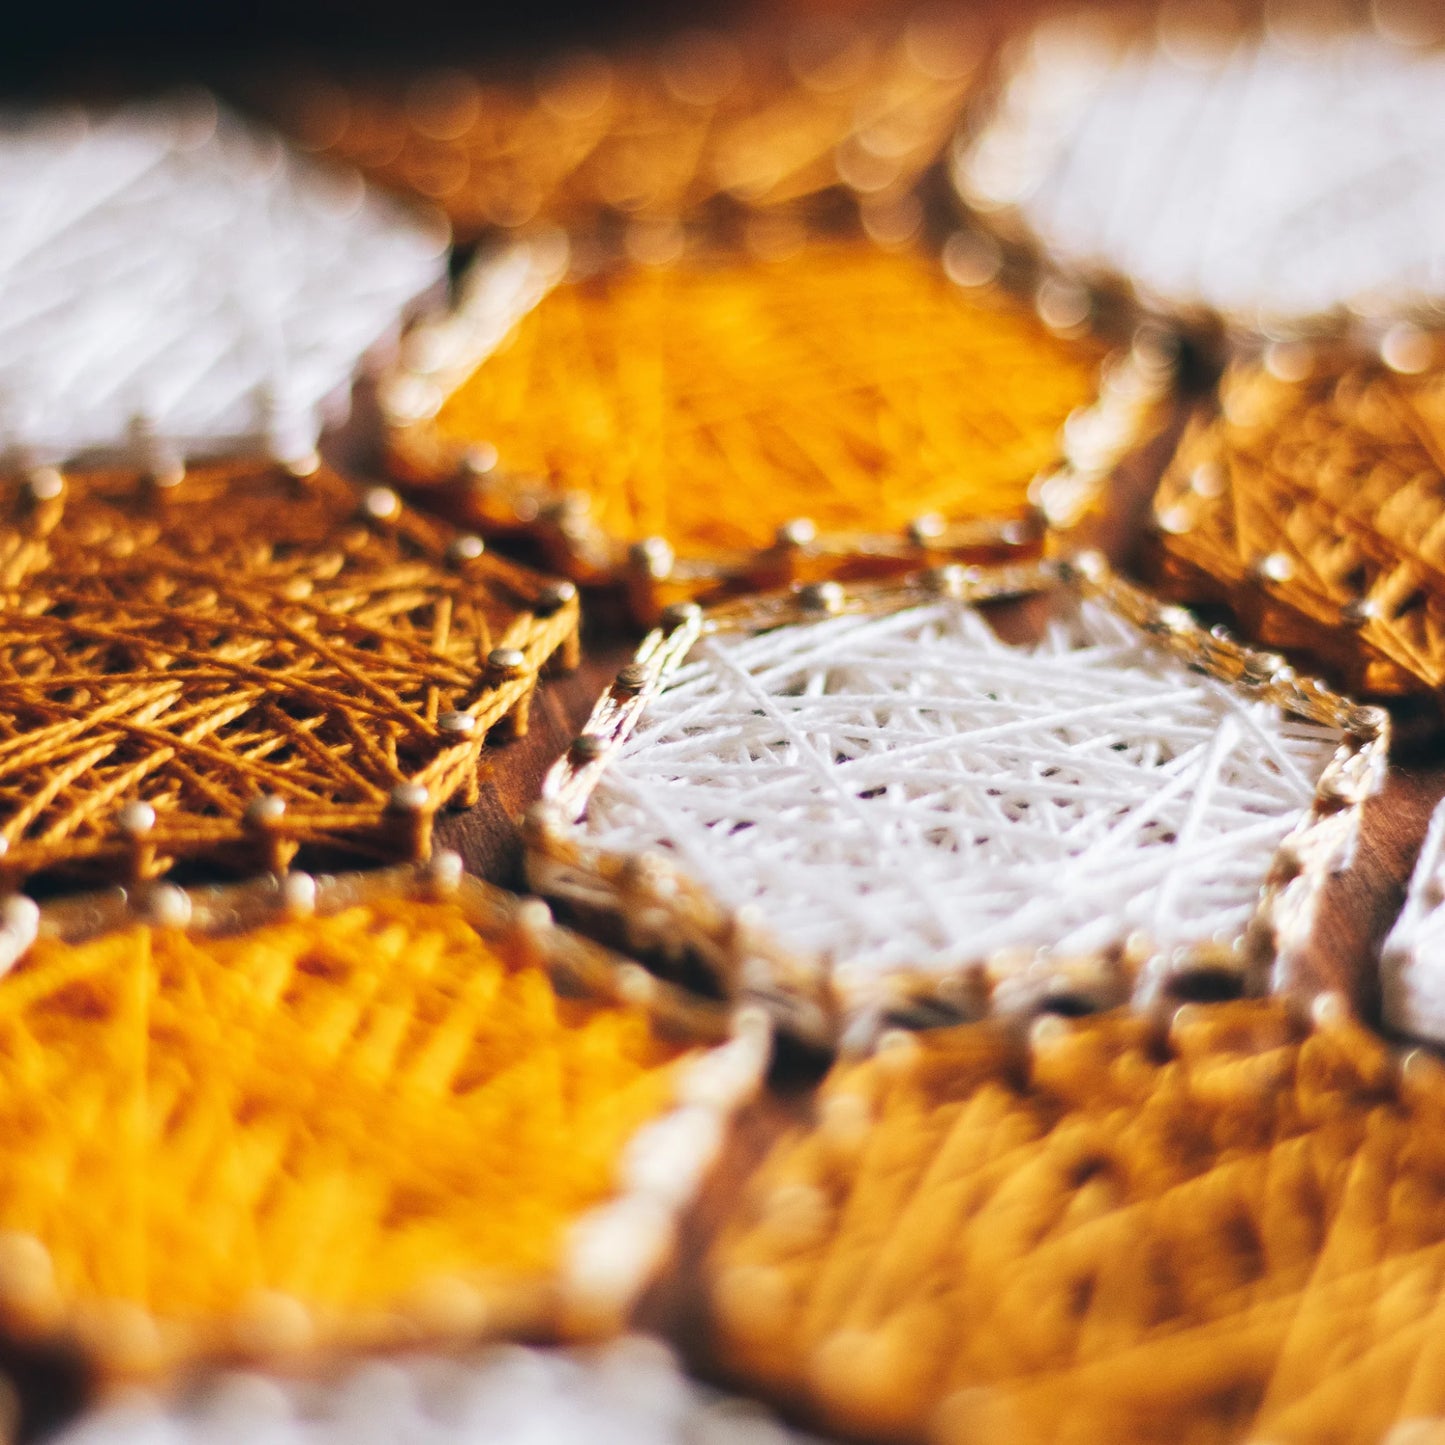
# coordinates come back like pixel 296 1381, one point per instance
pixel 820 430
pixel 249 667
pixel 1311 506
pixel 206 291
pixel 300 1120
pixel 909 794
pixel 1227 1228
pixel 1312 199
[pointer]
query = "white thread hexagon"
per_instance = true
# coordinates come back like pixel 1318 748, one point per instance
pixel 174 280
pixel 908 791
pixel 1271 177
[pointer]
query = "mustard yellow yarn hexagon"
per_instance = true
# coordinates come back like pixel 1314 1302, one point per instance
pixel 337 1110
pixel 709 402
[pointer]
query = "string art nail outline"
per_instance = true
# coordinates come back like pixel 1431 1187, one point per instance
pixel 239 660
pixel 473 481
pixel 633 1388
pixel 244 285
pixel 1133 1225
pixel 755 121
pixel 1308 500
pixel 1057 92
pixel 683 872
pixel 603 1245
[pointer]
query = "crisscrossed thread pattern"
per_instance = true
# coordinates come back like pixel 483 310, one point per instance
pixel 1235 1232
pixel 910 790
pixel 708 403
pixel 239 286
pixel 343 1110
pixel 1236 172
pixel 243 633
pixel 1325 496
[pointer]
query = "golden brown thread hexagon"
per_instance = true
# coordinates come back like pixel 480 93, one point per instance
pixel 1230 1229
pixel 1313 504
pixel 246 662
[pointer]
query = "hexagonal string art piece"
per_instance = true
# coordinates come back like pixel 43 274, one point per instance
pixel 766 120
pixel 1282 178
pixel 1312 502
pixel 930 813
pixel 314 1114
pixel 247 662
pixel 729 420
pixel 1228 1228
pixel 176 283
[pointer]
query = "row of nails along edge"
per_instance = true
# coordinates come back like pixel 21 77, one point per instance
pixel 400 822
pixel 1133 404
pixel 653 907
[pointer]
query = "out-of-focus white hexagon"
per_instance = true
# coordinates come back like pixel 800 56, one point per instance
pixel 175 281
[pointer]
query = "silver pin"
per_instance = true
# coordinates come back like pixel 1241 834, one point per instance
pixel 631 679
pixel 799 532
pixel 298 894
pixel 680 614
pixel 45 484
pixel 653 557
pixel 587 748
pixel 265 811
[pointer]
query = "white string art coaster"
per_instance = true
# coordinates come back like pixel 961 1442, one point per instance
pixel 630 1392
pixel 1283 177
pixel 175 283
pixel 1412 961
pixel 927 811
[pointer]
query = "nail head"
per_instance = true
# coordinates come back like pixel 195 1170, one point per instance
pixel 408 798
pixel 463 724
pixel 466 548
pixel 507 662
pixel 136 819
pixel 381 504
pixel 588 748
pixel 553 597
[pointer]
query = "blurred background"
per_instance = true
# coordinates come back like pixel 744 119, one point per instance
pixel 82 43
pixel 97 45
